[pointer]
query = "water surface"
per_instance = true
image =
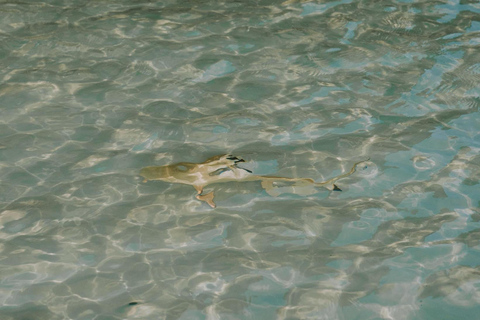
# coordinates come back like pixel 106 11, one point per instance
pixel 92 91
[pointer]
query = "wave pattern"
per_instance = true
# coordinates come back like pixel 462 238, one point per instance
pixel 92 91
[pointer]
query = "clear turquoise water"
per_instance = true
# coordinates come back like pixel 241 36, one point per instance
pixel 92 91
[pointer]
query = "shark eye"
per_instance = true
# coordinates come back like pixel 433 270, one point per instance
pixel 182 168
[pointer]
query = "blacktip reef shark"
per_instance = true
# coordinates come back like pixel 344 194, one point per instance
pixel 224 168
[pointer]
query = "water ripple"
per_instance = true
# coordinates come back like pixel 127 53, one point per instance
pixel 93 91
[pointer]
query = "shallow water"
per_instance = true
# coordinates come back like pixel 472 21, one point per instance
pixel 92 91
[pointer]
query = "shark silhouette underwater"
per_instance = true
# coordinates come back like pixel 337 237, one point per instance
pixel 224 168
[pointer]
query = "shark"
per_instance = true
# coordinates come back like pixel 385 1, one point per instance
pixel 225 168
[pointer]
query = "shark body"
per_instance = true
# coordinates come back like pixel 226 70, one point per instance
pixel 224 168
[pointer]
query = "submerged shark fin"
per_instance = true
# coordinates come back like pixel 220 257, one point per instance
pixel 199 189
pixel 249 171
pixel 270 188
pixel 219 171
pixel 208 198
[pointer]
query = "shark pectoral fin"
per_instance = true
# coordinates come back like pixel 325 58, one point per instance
pixel 199 189
pixel 208 198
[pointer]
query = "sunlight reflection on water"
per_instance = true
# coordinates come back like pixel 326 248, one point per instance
pixel 92 91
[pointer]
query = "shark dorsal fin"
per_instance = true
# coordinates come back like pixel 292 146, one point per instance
pixel 219 171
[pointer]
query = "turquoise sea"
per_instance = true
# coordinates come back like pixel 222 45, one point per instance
pixel 91 91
